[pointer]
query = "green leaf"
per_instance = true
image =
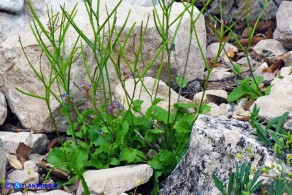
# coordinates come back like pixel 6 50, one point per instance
pixel 261 133
pixel 241 91
pixel 218 183
pixel 236 69
pixel 131 155
pixel 156 101
pixel 78 157
pixel 259 80
pixel 137 104
pixel 57 157
pixel 181 81
pixel 155 163
pixel 152 135
pixel 204 108
pixel 114 161
pixel 268 90
pixel 230 183
pixel 71 181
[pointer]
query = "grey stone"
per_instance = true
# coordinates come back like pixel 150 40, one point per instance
pixel 3 108
pixel 270 48
pixel 283 32
pixel 213 146
pixel 3 161
pixel 115 181
pixel 213 49
pixel 23 176
pixel 37 142
pixel 236 9
pixel 279 100
pixel 287 58
pixel 11 5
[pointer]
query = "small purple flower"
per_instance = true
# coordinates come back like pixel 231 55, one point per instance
pixel 116 104
pixel 131 74
pixel 65 96
pixel 100 132
pixel 110 108
pixel 56 25
pixel 82 84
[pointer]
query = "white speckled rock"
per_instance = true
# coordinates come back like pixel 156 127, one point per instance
pixel 11 5
pixel 213 146
pixel 3 108
pixel 283 32
pixel 37 142
pixel 116 180
pixel 279 100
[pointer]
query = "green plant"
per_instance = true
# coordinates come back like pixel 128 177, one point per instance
pixel 240 182
pixel 107 134
pixel 247 87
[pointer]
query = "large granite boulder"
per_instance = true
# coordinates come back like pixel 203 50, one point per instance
pixel 15 71
pixel 213 148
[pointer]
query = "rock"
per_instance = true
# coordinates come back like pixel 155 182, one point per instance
pixel 53 192
pixel 141 93
pixel 37 142
pixel 260 71
pixel 222 111
pixel 16 73
pixel 116 180
pixel 287 58
pixel 3 108
pixel 37 158
pixel 213 49
pixel 3 161
pixel 219 73
pixel 278 102
pixel 270 48
pixel 218 93
pixel 244 62
pixel 11 5
pixel 145 3
pixel 288 125
pixel 233 9
pixel 22 176
pixel 283 32
pixel 30 165
pixel 213 146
